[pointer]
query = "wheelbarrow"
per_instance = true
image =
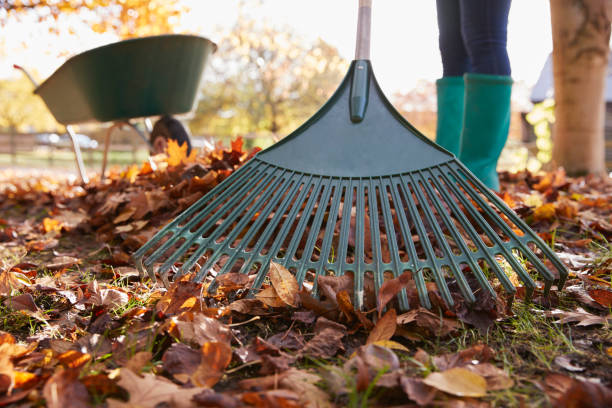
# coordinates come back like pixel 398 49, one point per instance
pixel 128 80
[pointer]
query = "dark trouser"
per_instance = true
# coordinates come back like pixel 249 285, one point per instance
pixel 473 36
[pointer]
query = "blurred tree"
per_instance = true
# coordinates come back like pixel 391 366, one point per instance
pixel 127 18
pixel 265 81
pixel 21 110
pixel 581 37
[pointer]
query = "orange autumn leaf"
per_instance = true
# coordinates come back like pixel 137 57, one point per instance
pixel 216 356
pixel 237 145
pixel 131 173
pixel 51 225
pixel 544 212
pixel 178 154
pixel 73 358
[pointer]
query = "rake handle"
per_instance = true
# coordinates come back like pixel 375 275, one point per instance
pixel 362 48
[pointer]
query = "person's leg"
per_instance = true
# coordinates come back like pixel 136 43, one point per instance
pixel 450 88
pixel 487 87
pixel 484 28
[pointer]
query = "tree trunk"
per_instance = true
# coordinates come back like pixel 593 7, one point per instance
pixel 581 34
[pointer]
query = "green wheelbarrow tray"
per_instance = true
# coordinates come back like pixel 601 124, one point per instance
pixel 134 78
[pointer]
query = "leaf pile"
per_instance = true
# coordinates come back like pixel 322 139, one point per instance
pixel 78 328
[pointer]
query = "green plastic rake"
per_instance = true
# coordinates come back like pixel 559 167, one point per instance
pixel 355 188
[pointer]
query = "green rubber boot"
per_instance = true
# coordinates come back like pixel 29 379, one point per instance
pixel 450 92
pixel 485 124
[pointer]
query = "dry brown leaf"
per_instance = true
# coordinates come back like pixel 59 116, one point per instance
pixel 497 379
pixel 417 391
pixel 284 283
pixel 458 381
pixel 138 361
pixel 602 296
pixel 60 262
pixel 384 328
pixel 433 324
pixel 23 302
pixel 150 391
pixel 581 316
pixel 269 297
pixel 215 359
pixel 10 281
pixel 63 390
pixel 198 329
pixel 109 297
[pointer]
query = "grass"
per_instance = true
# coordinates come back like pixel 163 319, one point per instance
pixel 65 158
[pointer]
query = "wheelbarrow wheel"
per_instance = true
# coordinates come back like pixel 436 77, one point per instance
pixel 168 128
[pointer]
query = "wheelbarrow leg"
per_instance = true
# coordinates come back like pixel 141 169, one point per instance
pixel 107 145
pixel 77 154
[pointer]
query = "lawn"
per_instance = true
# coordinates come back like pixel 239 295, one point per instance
pixel 78 327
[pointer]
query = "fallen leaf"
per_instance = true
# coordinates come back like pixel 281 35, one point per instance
pixel 602 296
pixel 108 297
pixel 284 283
pixel 60 262
pixel 545 212
pixel 326 342
pixel 51 225
pixel 198 329
pixel 73 359
pixel 565 362
pixel 581 316
pixel 566 392
pixel 181 359
pixel 10 281
pixel 150 391
pixel 497 379
pixel 138 361
pixel 63 390
pixel 431 323
pixel 458 381
pixel 21 302
pixel 215 359
pixel 178 154
pixel 269 297
pixel 418 391
pixel 384 328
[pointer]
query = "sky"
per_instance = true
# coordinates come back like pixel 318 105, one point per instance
pixel 404 35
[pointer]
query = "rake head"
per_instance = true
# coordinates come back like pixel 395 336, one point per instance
pixel 370 197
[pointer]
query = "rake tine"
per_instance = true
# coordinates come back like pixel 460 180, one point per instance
pixel 359 247
pixel 345 226
pixel 196 238
pixel 285 183
pixel 546 274
pixel 467 226
pixel 265 236
pixel 444 292
pixel 338 186
pixel 529 283
pixel 419 184
pixel 375 235
pixel 463 284
pixel 239 176
pixel 404 304
pixel 259 200
pixel 535 238
pixel 280 237
pixel 299 230
pixel 312 235
pixel 192 236
pixel 407 237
